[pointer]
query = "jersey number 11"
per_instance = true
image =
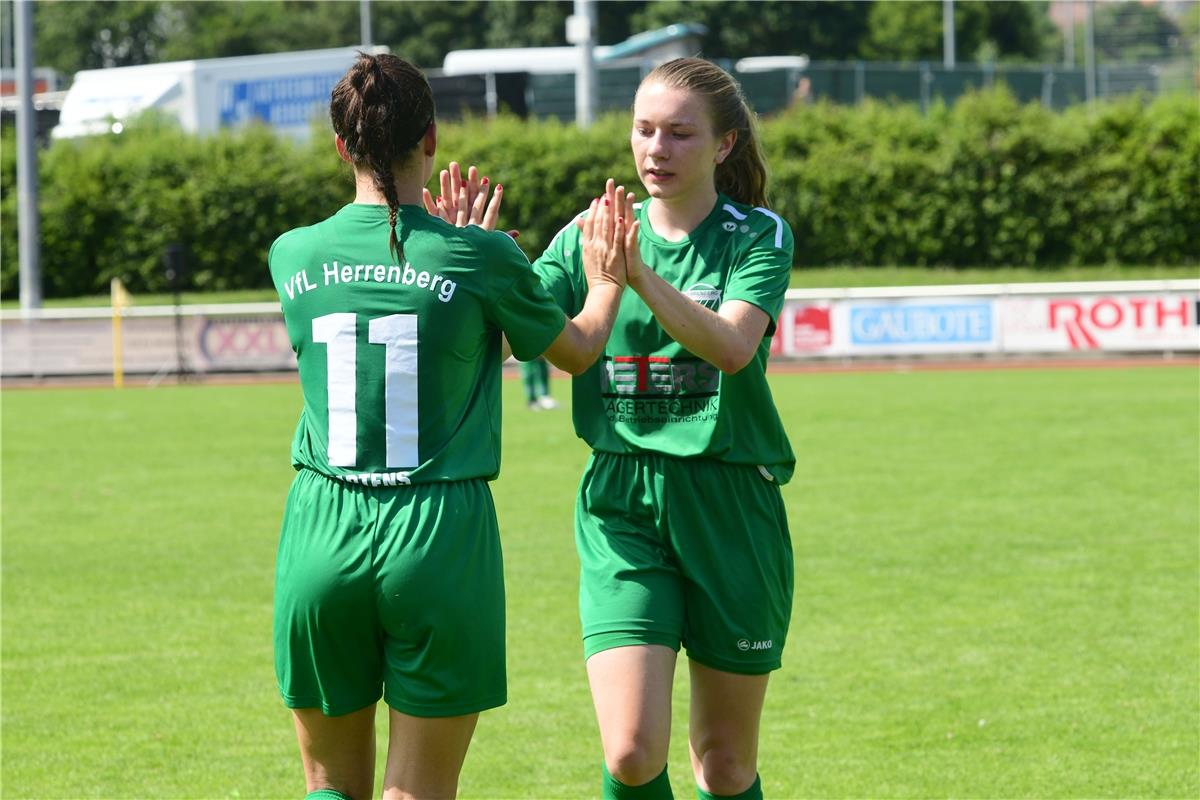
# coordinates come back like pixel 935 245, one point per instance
pixel 397 333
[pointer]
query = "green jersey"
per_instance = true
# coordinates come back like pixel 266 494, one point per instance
pixel 649 394
pixel 400 358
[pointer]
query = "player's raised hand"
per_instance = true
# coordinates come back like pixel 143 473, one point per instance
pixel 464 200
pixel 602 236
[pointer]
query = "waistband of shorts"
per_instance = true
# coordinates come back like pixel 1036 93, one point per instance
pixel 652 456
pixel 376 481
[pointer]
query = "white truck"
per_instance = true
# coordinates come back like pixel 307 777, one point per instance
pixel 283 90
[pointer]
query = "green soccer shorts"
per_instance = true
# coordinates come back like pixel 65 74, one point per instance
pixel 393 592
pixel 684 551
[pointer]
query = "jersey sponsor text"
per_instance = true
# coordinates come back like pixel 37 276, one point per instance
pixel 407 275
pixel 376 478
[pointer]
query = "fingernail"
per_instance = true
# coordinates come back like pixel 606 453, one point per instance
pixel 606 201
pixel 483 181
pixel 499 187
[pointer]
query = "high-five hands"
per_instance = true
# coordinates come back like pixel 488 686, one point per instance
pixel 603 236
pixel 464 202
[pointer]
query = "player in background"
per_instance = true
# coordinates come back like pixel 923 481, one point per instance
pixel 680 524
pixel 535 376
pixel 389 576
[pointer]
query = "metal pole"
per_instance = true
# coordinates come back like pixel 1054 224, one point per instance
pixel 28 233
pixel 925 79
pixel 1089 53
pixel 364 22
pixel 1069 36
pixel 582 33
pixel 948 33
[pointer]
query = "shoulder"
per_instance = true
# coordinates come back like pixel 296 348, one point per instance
pixel 489 244
pixel 497 243
pixel 765 227
pixel 294 240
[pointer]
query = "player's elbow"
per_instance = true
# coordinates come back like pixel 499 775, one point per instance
pixel 576 366
pixel 732 360
pixel 569 360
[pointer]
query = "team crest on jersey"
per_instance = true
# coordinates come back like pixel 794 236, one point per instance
pixel 705 294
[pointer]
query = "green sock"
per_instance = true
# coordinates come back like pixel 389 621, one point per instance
pixel 753 793
pixel 657 789
pixel 326 794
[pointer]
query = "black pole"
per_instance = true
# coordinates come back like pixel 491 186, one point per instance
pixel 175 265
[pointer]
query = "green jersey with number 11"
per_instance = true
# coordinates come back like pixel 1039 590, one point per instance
pixel 648 393
pixel 400 358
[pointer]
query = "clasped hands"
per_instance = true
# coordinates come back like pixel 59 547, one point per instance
pixel 608 238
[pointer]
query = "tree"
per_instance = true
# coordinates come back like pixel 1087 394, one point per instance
pixel 1132 32
pixel 737 28
pixel 913 31
pixel 70 36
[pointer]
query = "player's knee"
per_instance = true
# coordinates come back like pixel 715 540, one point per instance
pixel 634 763
pixel 726 772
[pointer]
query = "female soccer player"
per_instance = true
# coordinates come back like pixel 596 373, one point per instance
pixel 680 525
pixel 389 577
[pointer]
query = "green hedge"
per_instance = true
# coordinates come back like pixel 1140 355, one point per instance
pixel 986 182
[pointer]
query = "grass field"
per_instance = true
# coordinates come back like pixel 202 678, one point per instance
pixel 997 593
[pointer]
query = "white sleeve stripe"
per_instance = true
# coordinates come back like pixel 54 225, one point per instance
pixel 736 214
pixel 778 225
pixel 564 229
pixel 778 222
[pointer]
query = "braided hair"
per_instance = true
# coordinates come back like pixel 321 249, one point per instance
pixel 381 110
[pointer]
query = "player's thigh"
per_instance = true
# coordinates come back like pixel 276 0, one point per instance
pixel 337 752
pixel 723 726
pixel 729 530
pixel 441 601
pixel 425 754
pixel 631 691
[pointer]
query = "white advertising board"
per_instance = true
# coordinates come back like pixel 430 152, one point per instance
pixel 1162 316
pixel 1026 319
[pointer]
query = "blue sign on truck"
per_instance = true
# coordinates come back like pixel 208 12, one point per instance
pixel 279 102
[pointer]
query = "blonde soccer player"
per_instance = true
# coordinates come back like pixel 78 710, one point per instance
pixel 680 525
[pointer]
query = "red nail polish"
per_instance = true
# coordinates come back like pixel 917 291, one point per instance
pixel 499 187
pixel 482 182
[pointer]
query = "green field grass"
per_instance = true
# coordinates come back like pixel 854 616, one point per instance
pixel 996 593
pixel 802 278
